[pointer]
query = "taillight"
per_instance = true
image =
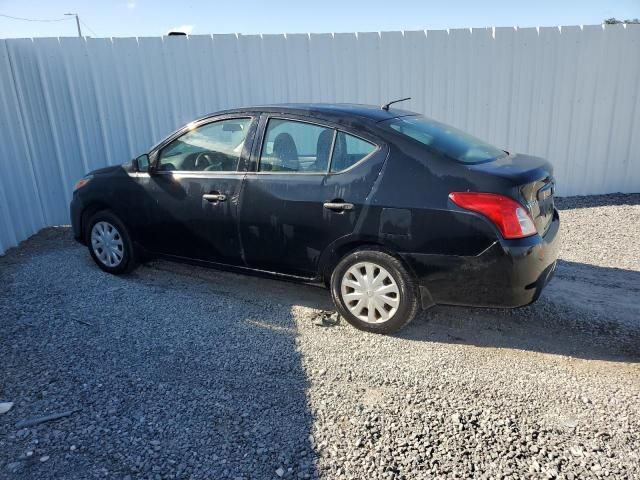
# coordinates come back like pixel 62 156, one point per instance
pixel 511 218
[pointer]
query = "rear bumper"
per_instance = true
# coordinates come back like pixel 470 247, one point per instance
pixel 510 273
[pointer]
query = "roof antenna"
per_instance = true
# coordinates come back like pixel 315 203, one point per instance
pixel 385 107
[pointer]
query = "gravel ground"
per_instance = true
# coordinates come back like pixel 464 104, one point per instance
pixel 182 372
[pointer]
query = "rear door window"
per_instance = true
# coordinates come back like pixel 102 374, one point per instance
pixel 295 147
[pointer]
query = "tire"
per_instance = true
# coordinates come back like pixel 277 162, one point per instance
pixel 106 226
pixel 353 295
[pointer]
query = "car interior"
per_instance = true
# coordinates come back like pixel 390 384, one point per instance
pixel 213 147
pixel 289 146
pixel 283 153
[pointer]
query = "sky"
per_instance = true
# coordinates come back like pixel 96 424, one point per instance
pixel 135 18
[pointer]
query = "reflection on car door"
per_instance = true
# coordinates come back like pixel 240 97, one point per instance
pixel 292 207
pixel 194 188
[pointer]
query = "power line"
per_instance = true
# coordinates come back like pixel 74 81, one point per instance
pixel 34 19
pixel 78 21
pixel 88 27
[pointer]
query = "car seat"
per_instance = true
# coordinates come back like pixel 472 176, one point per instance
pixel 284 149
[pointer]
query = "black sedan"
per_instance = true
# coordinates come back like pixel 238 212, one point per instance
pixel 389 209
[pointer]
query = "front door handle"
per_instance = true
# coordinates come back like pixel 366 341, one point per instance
pixel 214 197
pixel 338 206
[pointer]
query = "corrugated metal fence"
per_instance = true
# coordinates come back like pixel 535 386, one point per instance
pixel 70 105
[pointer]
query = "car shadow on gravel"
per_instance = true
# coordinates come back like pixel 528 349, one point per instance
pixel 586 312
pixel 173 376
pixel 594 201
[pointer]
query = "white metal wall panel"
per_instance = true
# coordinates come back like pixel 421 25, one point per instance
pixel 21 212
pixel 70 105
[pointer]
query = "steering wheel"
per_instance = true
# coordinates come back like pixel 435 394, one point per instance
pixel 208 161
pixel 203 161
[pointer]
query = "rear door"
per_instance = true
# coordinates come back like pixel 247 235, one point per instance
pixel 194 189
pixel 307 187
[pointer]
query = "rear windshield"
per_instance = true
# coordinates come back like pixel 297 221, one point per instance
pixel 446 139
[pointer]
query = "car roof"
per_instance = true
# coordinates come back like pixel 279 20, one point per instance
pixel 328 111
pixel 348 114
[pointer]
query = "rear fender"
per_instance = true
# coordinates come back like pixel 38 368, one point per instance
pixel 341 247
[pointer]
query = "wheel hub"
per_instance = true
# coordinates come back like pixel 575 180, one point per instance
pixel 107 244
pixel 370 292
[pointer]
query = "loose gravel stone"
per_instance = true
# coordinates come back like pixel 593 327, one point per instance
pixel 183 372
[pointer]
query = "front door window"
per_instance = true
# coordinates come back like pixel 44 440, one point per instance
pixel 214 147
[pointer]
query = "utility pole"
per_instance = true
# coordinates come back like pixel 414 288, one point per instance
pixel 77 23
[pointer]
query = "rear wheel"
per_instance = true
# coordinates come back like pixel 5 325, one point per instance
pixel 110 244
pixel 373 291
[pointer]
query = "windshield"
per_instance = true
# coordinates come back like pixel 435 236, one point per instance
pixel 446 139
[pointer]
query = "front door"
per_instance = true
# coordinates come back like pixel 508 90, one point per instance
pixel 308 188
pixel 193 192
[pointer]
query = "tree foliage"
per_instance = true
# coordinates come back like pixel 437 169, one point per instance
pixel 615 21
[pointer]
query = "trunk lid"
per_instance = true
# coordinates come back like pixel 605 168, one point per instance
pixel 533 184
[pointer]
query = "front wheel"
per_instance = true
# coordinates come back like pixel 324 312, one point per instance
pixel 110 244
pixel 373 291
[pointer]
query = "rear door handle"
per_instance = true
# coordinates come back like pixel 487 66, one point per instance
pixel 338 206
pixel 214 197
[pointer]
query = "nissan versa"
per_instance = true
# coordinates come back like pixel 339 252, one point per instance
pixel 389 209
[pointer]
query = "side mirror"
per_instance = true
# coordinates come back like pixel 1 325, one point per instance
pixel 141 164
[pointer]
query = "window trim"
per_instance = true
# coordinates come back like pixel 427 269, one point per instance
pixel 336 130
pixel 193 126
